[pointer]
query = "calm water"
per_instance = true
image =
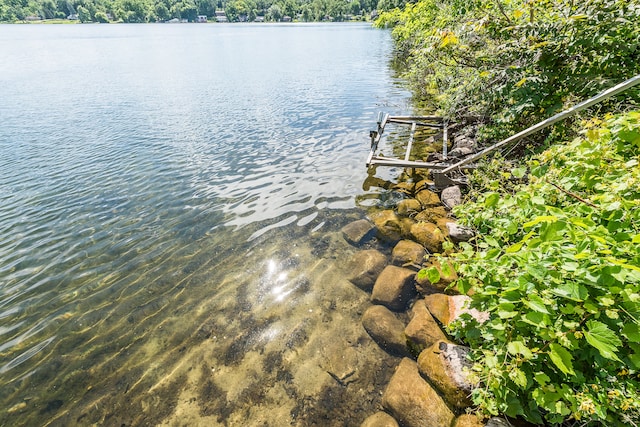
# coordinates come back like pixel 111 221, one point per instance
pixel 170 204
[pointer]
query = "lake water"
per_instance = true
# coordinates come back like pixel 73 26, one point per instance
pixel 171 198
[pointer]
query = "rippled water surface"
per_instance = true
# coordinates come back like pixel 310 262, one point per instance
pixel 170 204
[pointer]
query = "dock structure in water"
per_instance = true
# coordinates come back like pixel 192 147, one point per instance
pixel 439 124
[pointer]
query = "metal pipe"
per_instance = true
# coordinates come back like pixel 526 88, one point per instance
pixel 548 122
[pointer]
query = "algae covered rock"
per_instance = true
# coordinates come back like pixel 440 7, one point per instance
pixel 468 420
pixel 422 331
pixel 428 235
pixel 394 287
pixel 446 365
pixel 408 207
pixel 380 419
pixel 412 401
pixel 408 252
pixel 428 198
pixel 385 329
pixel 358 232
pixel 388 225
pixel 364 267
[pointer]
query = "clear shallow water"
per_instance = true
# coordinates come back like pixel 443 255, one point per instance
pixel 170 204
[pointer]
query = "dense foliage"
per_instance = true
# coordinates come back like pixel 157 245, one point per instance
pixel 557 265
pixel 512 63
pixel 163 10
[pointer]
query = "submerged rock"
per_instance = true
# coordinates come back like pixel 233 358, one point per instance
pixel 431 214
pixel 408 207
pixel 358 232
pixel 388 225
pixel 412 401
pixel 364 267
pixel 446 366
pixel 428 198
pixel 380 419
pixel 422 331
pixel 408 252
pixel 385 329
pixel 394 287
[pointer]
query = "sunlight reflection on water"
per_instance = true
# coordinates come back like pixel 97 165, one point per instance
pixel 170 198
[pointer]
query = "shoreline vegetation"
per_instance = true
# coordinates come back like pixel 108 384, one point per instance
pixel 551 270
pixel 183 11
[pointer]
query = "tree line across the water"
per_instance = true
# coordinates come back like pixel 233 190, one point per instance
pixel 189 10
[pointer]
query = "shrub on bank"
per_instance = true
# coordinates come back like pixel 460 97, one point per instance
pixel 511 63
pixel 557 264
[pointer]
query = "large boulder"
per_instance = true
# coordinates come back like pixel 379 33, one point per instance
pixel 385 329
pixel 394 287
pixel 408 207
pixel 427 198
pixel 428 235
pixel 388 225
pixel 408 252
pixel 446 365
pixel 451 196
pixel 364 267
pixel 422 331
pixel 412 401
pixel 380 419
pixel 358 232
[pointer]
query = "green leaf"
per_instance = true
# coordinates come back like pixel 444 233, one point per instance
pixel 572 291
pixel 599 335
pixel 491 200
pixel 518 377
pixel 539 219
pixel 561 357
pixel 536 303
pixel 518 347
pixel 632 332
pixel 433 275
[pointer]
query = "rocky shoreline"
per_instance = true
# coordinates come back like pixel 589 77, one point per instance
pixel 432 383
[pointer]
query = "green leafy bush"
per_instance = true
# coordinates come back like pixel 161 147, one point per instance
pixel 512 63
pixel 557 266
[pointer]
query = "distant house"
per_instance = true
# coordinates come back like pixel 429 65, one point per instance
pixel 286 19
pixel 32 18
pixel 173 21
pixel 73 17
pixel 201 18
pixel 259 19
pixel 221 16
